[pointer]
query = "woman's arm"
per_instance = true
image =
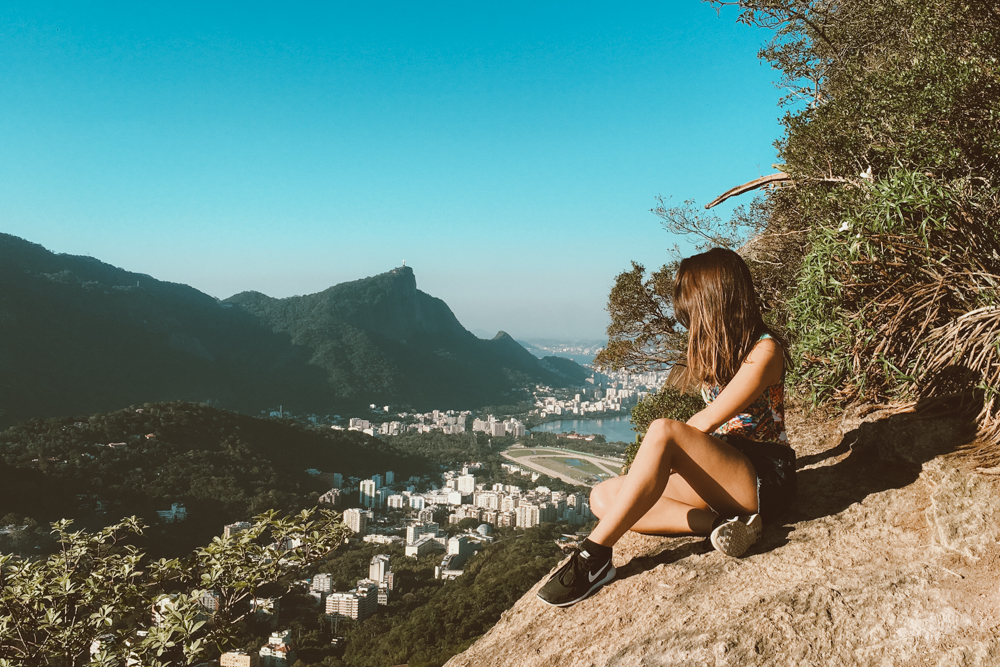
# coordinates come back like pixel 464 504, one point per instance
pixel 760 370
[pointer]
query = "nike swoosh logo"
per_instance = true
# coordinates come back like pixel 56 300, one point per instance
pixel 593 577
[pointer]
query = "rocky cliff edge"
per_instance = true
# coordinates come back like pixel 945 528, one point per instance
pixel 889 557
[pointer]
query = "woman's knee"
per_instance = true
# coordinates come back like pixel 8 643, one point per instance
pixel 601 497
pixel 662 431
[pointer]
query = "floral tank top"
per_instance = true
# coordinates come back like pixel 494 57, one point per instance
pixel 763 420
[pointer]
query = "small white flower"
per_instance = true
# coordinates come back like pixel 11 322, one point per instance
pixel 866 174
pixel 844 227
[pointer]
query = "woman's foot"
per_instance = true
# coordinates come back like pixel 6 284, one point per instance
pixel 734 535
pixel 579 577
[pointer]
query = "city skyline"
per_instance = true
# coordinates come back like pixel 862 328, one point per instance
pixel 511 158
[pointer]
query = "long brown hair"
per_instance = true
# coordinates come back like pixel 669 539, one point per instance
pixel 715 300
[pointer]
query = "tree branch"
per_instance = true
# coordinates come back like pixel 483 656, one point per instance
pixel 779 177
pixel 747 187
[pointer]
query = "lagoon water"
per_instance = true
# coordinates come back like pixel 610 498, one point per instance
pixel 614 429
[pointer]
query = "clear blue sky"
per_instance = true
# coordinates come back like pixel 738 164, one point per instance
pixel 508 152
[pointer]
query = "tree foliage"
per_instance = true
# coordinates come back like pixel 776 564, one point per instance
pixel 642 334
pixel 879 255
pixel 893 150
pixel 93 601
pixel 222 466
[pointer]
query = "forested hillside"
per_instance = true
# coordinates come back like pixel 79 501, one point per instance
pixel 426 635
pixel 80 336
pixel 222 466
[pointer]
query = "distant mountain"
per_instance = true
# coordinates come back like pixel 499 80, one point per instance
pixel 567 367
pixel 580 351
pixel 383 338
pixel 80 336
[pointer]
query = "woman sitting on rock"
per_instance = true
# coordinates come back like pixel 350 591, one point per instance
pixel 724 469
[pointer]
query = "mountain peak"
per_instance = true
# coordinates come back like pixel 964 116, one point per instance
pixel 403 275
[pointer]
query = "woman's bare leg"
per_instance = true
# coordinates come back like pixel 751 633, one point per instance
pixel 719 476
pixel 678 511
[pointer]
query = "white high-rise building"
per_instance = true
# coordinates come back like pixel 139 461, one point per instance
pixel 460 548
pixel 414 533
pixel 527 516
pixel 467 484
pixel 322 583
pixel 356 520
pixel 516 429
pixel 487 500
pixel 358 604
pixel 379 568
pixel 367 488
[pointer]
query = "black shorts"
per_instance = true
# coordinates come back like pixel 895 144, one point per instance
pixel 774 465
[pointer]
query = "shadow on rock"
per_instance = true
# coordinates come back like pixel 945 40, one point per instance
pixel 680 548
pixel 884 454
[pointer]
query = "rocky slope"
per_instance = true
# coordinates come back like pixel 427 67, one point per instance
pixel 889 557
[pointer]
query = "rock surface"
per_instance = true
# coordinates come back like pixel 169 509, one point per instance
pixel 889 557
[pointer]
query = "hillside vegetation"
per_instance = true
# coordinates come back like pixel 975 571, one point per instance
pixel 222 466
pixel 436 620
pixel 877 248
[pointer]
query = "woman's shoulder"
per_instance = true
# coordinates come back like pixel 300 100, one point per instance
pixel 766 346
pixel 768 338
pixel 768 351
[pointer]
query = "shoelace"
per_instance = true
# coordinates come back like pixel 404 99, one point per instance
pixel 571 566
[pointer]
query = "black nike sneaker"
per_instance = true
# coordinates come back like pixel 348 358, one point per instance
pixel 578 578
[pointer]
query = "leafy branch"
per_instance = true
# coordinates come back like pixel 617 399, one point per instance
pixel 90 602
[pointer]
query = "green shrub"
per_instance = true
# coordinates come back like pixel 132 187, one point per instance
pixel 901 264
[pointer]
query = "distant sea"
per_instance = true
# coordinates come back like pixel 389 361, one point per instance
pixel 614 429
